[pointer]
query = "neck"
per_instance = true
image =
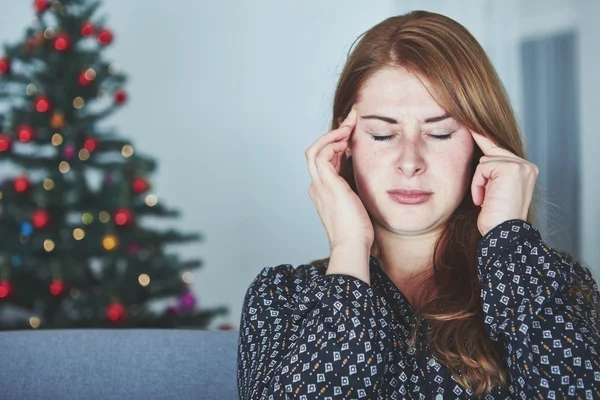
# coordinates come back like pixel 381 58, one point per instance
pixel 407 260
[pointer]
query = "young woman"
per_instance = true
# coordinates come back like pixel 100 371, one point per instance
pixel 438 286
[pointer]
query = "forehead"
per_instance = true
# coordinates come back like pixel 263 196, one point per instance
pixel 396 90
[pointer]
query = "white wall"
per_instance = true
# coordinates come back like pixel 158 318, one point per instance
pixel 228 95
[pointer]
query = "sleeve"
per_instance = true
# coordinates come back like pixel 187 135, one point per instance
pixel 550 333
pixel 312 336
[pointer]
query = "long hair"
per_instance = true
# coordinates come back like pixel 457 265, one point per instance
pixel 464 83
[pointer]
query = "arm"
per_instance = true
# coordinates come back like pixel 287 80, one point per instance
pixel 306 333
pixel 551 336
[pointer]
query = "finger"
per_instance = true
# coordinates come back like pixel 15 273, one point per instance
pixel 341 133
pixel 483 174
pixel 488 147
pixel 515 159
pixel 324 161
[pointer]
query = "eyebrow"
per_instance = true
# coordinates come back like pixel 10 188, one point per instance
pixel 393 121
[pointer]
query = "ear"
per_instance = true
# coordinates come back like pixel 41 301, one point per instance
pixel 339 121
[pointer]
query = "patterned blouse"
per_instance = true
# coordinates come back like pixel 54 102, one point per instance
pixel 307 335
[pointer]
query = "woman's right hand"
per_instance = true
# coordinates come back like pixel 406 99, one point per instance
pixel 340 209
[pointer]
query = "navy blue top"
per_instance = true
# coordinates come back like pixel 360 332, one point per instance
pixel 307 335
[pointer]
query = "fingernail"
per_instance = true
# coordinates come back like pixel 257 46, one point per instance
pixel 351 113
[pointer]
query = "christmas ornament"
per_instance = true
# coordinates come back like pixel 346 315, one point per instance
pixel 5 289
pixel 105 37
pixel 5 143
pixel 26 228
pixel 134 248
pixel 172 311
pixel 140 185
pixel 4 66
pixel 115 312
pixel 58 120
pixel 57 287
pixel 62 42
pixel 42 103
pixel 21 184
pixel 187 301
pixel 25 133
pixel 87 29
pixel 90 144
pixel 120 97
pixel 40 219
pixel 69 151
pixel 123 217
pixel 41 5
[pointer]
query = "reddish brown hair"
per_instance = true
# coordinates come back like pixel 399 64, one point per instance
pixel 444 54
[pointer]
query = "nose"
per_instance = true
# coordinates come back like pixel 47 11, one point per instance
pixel 410 160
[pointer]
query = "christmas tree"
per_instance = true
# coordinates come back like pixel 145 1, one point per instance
pixel 75 251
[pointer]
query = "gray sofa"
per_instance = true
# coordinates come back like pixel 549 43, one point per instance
pixel 103 364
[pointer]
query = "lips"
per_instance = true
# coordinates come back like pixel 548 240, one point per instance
pixel 409 196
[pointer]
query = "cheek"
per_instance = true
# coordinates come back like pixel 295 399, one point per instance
pixel 455 162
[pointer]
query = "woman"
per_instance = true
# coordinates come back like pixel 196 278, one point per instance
pixel 437 285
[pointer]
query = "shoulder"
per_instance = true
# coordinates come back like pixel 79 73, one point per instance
pixel 286 277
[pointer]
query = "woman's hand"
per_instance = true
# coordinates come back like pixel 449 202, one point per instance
pixel 503 185
pixel 340 209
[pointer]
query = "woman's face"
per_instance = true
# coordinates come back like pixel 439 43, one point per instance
pixel 402 141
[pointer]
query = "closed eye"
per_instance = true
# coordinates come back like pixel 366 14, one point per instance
pixel 436 137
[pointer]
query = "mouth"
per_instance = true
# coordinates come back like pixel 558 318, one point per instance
pixel 410 196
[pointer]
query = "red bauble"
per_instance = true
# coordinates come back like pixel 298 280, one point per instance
pixel 226 327
pixel 5 142
pixel 87 29
pixel 140 185
pixel 57 287
pixel 105 37
pixel 42 103
pixel 25 133
pixel 21 184
pixel 90 144
pixel 120 97
pixel 4 66
pixel 115 312
pixel 123 216
pixel 41 5
pixel 62 42
pixel 5 289
pixel 83 80
pixel 40 218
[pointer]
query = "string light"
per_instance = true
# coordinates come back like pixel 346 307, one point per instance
pixel 49 33
pixel 127 151
pixel 188 277
pixel 151 200
pixel 87 218
pixel 48 245
pixel 31 89
pixel 90 74
pixel 109 242
pixel 78 102
pixel 57 139
pixel 75 293
pixel 78 233
pixel 64 167
pixel 144 280
pixel 34 322
pixel 104 217
pixel 48 184
pixel 84 154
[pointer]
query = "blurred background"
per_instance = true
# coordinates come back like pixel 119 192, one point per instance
pixel 227 95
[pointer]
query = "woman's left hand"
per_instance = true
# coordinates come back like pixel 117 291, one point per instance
pixel 503 185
